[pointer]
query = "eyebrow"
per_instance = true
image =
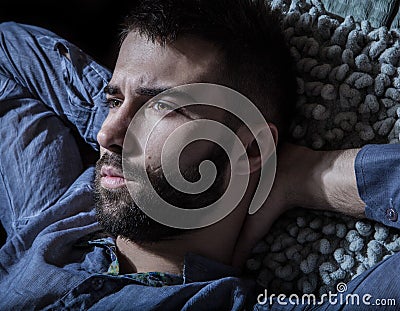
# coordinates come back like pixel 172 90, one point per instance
pixel 152 92
pixel 142 91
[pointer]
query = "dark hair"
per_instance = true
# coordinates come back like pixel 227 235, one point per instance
pixel 256 60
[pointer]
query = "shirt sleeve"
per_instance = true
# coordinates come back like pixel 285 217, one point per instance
pixel 57 73
pixel 39 157
pixel 51 104
pixel 377 168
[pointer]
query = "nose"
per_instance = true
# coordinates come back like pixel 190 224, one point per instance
pixel 112 133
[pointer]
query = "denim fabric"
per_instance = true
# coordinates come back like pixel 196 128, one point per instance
pixel 50 93
pixel 378 177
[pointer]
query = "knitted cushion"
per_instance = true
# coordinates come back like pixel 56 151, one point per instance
pixel 349 89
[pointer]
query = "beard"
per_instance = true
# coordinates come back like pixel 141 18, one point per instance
pixel 119 215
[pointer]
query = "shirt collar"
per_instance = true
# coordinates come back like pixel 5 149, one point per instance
pixel 198 268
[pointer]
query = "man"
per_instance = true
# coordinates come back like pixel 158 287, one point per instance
pixel 56 255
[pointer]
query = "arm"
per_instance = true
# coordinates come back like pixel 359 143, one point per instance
pixel 325 179
pixel 50 101
pixel 57 73
pixel 357 182
pixel 362 183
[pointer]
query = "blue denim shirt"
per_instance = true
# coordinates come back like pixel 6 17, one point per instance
pixel 55 257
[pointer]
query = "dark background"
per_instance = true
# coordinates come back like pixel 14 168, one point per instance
pixel 92 25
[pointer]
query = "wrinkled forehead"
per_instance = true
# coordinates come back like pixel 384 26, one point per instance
pixel 143 64
pixel 183 61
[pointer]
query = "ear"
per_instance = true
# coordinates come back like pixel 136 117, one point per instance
pixel 259 147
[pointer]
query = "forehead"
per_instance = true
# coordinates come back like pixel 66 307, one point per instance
pixel 143 63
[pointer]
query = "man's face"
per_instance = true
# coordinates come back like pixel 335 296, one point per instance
pixel 143 70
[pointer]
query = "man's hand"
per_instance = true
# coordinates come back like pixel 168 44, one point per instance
pixel 304 178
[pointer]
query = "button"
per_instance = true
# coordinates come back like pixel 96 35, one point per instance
pixel 391 214
pixel 97 284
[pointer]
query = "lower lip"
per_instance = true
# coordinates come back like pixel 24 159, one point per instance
pixel 112 182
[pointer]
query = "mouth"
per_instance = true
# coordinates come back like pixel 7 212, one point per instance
pixel 111 177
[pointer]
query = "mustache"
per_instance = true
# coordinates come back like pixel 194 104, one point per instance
pixel 132 171
pixel 110 159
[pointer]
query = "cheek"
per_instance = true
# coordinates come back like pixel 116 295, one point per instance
pixel 175 143
pixel 154 143
pixel 153 152
pixel 196 152
pixel 165 140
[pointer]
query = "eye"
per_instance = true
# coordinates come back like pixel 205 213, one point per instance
pixel 113 103
pixel 162 106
